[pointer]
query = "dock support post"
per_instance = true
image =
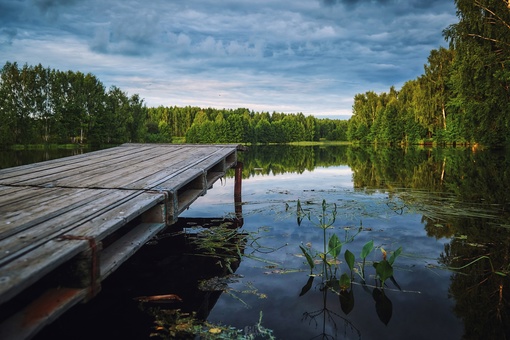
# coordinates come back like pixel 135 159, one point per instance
pixel 237 194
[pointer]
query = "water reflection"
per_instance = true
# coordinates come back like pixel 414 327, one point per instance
pixel 463 198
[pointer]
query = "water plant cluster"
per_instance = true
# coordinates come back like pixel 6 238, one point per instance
pixel 325 263
pixel 175 324
pixel 329 256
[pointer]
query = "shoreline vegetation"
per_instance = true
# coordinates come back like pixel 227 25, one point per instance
pixel 461 99
pixel 180 140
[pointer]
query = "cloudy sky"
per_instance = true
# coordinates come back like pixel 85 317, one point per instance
pixel 309 56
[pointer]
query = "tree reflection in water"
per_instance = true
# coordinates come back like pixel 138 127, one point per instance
pixel 463 197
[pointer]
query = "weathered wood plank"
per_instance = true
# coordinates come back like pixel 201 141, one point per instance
pixel 110 221
pixel 26 265
pixel 16 276
pixel 41 312
pixel 113 256
pixel 87 168
pixel 15 196
pixel 123 176
pixel 101 216
pixel 65 210
pixel 71 161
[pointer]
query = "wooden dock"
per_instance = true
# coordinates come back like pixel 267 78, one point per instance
pixel 66 224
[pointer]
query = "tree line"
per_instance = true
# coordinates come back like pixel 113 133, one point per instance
pixel 463 96
pixel 41 106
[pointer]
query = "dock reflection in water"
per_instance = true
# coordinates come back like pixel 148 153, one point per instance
pixel 174 279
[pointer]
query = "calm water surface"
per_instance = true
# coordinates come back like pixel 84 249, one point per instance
pixel 448 209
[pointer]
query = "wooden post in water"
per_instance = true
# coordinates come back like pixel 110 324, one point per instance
pixel 237 194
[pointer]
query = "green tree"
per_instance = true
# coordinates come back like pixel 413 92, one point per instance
pixel 264 131
pixel 481 79
pixel 10 92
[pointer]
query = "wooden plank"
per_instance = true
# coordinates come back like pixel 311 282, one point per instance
pixel 171 179
pixel 174 174
pixel 110 221
pixel 15 196
pixel 40 312
pixel 60 222
pixel 33 199
pixel 62 163
pixel 123 177
pixel 110 173
pixel 74 203
pixel 212 177
pixel 113 256
pixel 18 275
pixel 6 192
pixel 28 267
pixel 218 160
pixel 186 198
pixel 73 171
pixel 76 173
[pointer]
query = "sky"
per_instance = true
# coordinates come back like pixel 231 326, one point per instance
pixel 308 56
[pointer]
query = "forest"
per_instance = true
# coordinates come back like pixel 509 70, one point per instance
pixel 463 97
pixel 44 106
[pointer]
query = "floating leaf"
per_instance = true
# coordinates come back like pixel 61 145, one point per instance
pixel 168 298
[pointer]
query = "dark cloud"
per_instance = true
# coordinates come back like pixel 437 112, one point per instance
pixel 49 5
pixel 10 12
pixel 355 2
pixel 7 35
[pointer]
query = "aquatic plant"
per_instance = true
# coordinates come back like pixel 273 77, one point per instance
pixel 503 273
pixel 175 324
pixel 365 251
pixel 332 249
pixel 341 283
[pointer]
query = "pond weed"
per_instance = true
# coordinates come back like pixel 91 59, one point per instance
pixel 331 250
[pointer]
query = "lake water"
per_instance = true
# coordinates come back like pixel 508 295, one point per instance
pixel 446 210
